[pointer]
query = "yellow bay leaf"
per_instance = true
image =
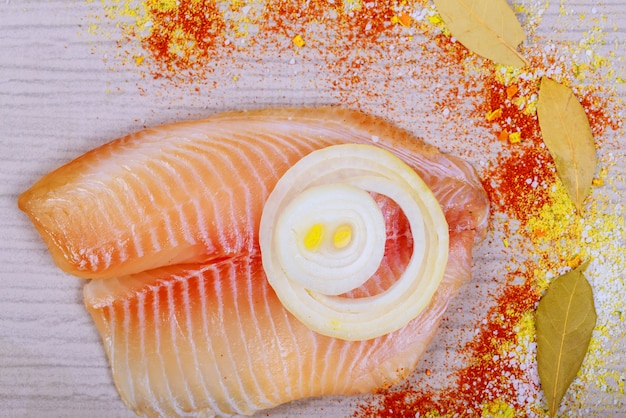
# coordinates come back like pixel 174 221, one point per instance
pixel 487 27
pixel 566 132
pixel 566 317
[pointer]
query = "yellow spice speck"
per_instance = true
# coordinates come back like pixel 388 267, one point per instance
pixel 494 115
pixel 139 59
pixel 498 409
pixel 515 137
pixel 435 20
pixel 298 41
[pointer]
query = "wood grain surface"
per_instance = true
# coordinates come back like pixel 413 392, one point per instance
pixel 63 92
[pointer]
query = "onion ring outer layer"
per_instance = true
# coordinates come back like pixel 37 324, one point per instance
pixel 320 236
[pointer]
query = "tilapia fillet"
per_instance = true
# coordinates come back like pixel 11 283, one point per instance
pixel 165 222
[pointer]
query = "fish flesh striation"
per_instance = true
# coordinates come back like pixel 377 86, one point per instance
pixel 165 221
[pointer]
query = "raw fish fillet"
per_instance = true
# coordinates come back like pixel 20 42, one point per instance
pixel 166 223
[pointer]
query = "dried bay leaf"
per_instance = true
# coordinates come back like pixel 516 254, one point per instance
pixel 565 319
pixel 487 27
pixel 566 132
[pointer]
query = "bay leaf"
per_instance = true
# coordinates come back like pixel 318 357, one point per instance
pixel 566 132
pixel 565 319
pixel 487 27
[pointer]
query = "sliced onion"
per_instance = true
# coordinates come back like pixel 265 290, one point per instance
pixel 326 267
pixel 322 235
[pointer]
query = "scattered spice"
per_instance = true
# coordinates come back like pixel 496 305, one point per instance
pixel 182 34
pixel 517 181
pixel 508 109
pixel 496 371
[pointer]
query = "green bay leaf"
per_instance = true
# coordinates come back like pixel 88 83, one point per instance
pixel 566 132
pixel 565 320
pixel 487 27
